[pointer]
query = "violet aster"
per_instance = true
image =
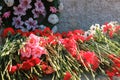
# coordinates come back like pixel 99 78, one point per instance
pixel 19 10
pixel 39 5
pixel 25 3
pixel 31 24
pixel 35 13
pixel 43 12
pixel 17 22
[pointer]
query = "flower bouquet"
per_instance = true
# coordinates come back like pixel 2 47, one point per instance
pixel 29 15
pixel 64 56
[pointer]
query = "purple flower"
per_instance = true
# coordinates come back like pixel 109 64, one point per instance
pixel 30 23
pixel 25 3
pixel 19 10
pixel 35 13
pixel 17 22
pixel 39 6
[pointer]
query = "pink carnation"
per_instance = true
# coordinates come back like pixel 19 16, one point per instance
pixel 38 51
pixel 25 51
pixel 53 9
pixel 33 41
pixel 6 14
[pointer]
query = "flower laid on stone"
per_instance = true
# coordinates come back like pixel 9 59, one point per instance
pixel 64 56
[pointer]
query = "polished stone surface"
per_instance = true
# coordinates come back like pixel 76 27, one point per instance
pixel 79 14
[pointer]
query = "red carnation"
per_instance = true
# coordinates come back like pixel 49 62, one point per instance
pixel 64 34
pixel 111 33
pixel 25 34
pixel 8 31
pixel 89 37
pixel 46 69
pixel 88 59
pixel 46 32
pixel 37 32
pixel 19 31
pixel 52 40
pixel 70 34
pixel 27 65
pixel 12 69
pixel 70 45
pixel 35 61
pixel 117 28
pixel 78 32
pixel 58 35
pixel 107 28
pixel 67 76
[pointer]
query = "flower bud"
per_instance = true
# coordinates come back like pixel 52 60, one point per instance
pixel 9 3
pixel 53 19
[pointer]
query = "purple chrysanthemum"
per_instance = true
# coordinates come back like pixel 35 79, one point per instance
pixel 39 6
pixel 25 3
pixel 19 10
pixel 31 24
pixel 35 13
pixel 17 22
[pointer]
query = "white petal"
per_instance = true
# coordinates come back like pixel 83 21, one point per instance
pixel 53 19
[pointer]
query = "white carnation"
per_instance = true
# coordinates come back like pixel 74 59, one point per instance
pixel 94 27
pixel 53 19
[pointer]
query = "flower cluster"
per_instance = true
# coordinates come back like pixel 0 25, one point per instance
pixel 65 55
pixel 32 48
pixel 114 69
pixel 11 31
pixel 26 65
pixel 88 59
pixel 20 12
pixel 70 45
pixel 28 15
